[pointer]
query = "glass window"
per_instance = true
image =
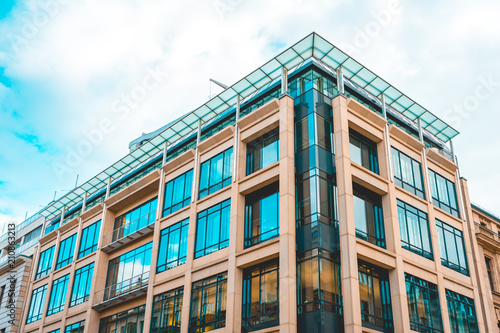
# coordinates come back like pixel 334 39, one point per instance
pixel 128 272
pixel 375 295
pixel 423 305
pixel 66 251
pixel 208 304
pixel 128 321
pixel 178 193
pixel 134 220
pixel 363 151
pixel 462 313
pixel 305 134
pixel 216 173
pixel 414 230
pixel 263 151
pixel 58 295
pixel 81 285
pixel 55 331
pixel 319 282
pixel 173 246
pixel 75 328
pixel 315 191
pixel 368 216
pixel 167 312
pixel 260 297
pixel 35 309
pixel 489 271
pixel 407 173
pixel 32 235
pixel 452 247
pixel 89 239
pixel 45 262
pixel 212 229
pixel 444 195
pixel 262 215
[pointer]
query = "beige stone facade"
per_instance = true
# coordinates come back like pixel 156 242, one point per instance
pixel 347 113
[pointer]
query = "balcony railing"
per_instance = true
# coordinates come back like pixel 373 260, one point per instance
pixel 480 229
pixel 127 233
pixel 95 202
pixel 51 227
pixel 121 291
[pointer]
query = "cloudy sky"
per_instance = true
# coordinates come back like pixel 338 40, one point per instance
pixel 66 66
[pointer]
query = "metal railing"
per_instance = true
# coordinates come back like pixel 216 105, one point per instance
pixel 26 246
pixel 52 227
pixel 480 229
pixel 446 154
pixel 95 201
pixel 121 288
pixel 126 230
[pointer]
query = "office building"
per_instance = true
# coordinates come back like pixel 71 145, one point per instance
pixel 311 195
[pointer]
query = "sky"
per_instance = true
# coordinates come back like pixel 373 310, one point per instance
pixel 69 67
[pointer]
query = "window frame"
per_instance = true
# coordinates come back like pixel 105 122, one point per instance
pixel 46 258
pixel 375 200
pixel 371 272
pixel 259 271
pixel 176 296
pixel 164 249
pixel 430 302
pixel 124 315
pixel 221 208
pixel 123 223
pixel 398 170
pixel 206 187
pixel 198 323
pixel 272 138
pixel 437 199
pixel 372 163
pixel 406 242
pixel 78 278
pixel 443 244
pixel 257 197
pixel 84 239
pixel 187 183
pixel 75 328
pixel 65 258
pixel 38 295
pixel 57 299
pixel 454 298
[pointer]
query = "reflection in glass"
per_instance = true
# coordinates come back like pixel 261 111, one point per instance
pixel 368 216
pixel 212 229
pixel 262 215
pixel 260 297
pixel 167 312
pixel 423 305
pixel 363 151
pixel 208 304
pixel 375 297
pixel 263 151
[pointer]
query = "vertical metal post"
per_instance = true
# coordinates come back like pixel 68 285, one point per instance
pixel 164 160
pixel 62 215
pixel 84 201
pixel 340 80
pixel 284 81
pixel 235 145
pixel 420 131
pixel 387 143
pixel 195 169
pixel 453 157
pixel 108 188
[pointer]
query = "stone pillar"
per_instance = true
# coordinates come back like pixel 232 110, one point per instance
pixel 347 229
pixel 288 257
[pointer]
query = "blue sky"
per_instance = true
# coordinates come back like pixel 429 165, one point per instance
pixel 65 65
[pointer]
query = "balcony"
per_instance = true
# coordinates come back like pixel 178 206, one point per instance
pixel 127 234
pixel 487 237
pixel 121 292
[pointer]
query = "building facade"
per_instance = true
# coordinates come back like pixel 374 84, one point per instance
pixel 487 228
pixel 18 245
pixel 309 196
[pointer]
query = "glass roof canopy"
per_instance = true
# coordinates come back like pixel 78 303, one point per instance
pixel 311 46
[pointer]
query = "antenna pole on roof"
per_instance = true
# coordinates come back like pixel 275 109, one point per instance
pixel 76 182
pixel 284 81
pixel 55 192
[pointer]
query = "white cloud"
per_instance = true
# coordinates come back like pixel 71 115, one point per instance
pixel 67 75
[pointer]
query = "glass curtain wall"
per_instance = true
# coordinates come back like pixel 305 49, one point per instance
pixel 318 263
